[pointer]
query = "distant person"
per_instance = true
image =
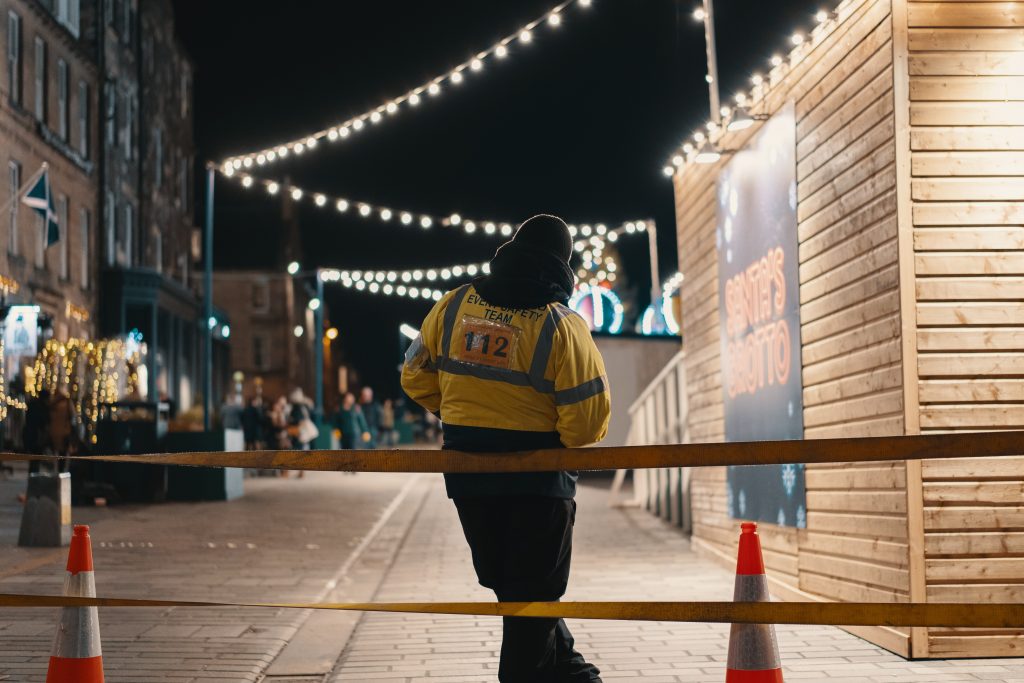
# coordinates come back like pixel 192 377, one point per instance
pixel 62 415
pixel 509 367
pixel 350 422
pixel 372 412
pixel 231 412
pixel 300 421
pixel 252 424
pixel 35 433
pixel 387 423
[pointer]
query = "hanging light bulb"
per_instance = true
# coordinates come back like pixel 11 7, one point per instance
pixel 426 222
pixel 272 187
pixel 699 14
pixel 247 181
pixel 776 60
pixel 525 36
pixel 299 148
pixel 470 227
pixel 797 38
pixel 357 124
pixel 385 214
pixel 501 52
pixel 364 210
pixel 489 228
pixel 332 134
pixel 476 64
pixel 375 117
pixel 344 132
pixel 506 229
pixel 554 19
pixel 406 218
pixel 454 219
pixel 456 77
pixel 320 200
pixel 341 205
pixel 741 120
pixel 434 89
pixel 391 108
pixel 414 99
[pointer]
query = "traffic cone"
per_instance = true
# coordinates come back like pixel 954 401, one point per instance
pixel 753 650
pixel 76 655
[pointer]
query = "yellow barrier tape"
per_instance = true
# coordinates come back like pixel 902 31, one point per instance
pixel 864 449
pixel 816 613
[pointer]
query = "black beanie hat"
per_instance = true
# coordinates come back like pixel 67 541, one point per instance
pixel 546 233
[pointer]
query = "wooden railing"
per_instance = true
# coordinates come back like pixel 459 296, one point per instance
pixel 658 416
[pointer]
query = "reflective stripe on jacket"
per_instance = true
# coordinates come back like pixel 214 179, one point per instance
pixel 534 370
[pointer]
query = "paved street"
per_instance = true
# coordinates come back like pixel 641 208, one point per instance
pixel 291 539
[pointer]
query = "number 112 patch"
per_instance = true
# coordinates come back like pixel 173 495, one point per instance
pixel 485 342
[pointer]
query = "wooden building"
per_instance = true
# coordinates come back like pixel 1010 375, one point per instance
pixel 909 121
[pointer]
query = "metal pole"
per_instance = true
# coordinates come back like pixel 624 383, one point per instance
pixel 208 301
pixel 652 245
pixel 318 347
pixel 709 42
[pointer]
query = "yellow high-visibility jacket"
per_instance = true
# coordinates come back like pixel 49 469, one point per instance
pixel 532 370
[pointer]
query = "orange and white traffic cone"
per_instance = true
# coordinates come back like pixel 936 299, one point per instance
pixel 76 655
pixel 753 650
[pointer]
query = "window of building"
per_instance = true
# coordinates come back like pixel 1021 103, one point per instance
pixel 40 80
pixel 14 183
pixel 158 157
pixel 63 234
pixel 62 99
pixel 14 58
pixel 40 240
pixel 158 250
pixel 129 235
pixel 127 136
pixel 126 21
pixel 260 351
pixel 83 119
pixel 110 209
pixel 83 248
pixel 68 15
pixel 183 182
pixel 260 297
pixel 110 99
pixel 186 94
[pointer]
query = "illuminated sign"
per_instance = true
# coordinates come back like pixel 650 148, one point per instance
pixel 759 318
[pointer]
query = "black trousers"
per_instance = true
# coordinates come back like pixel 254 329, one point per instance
pixel 522 547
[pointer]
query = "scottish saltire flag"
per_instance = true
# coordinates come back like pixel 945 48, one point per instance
pixel 40 199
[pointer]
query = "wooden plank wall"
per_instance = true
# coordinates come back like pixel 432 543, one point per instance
pixel 966 70
pixel 855 546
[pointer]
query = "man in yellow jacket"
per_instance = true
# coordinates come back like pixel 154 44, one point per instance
pixel 509 367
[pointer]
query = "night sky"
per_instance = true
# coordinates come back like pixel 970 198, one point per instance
pixel 579 123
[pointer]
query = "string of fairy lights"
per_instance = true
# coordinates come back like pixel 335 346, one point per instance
pixel 430 89
pixel 588 233
pixel 703 146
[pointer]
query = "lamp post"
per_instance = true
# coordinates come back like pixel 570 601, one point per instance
pixel 707 15
pixel 318 346
pixel 208 301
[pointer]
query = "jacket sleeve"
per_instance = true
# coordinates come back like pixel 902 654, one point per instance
pixel 419 372
pixel 582 396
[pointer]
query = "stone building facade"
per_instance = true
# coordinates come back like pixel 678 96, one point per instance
pixel 48 110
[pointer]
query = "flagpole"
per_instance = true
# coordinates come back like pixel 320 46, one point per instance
pixel 21 190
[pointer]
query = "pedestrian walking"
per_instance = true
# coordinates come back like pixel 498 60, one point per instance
pixel 508 366
pixel 350 422
pixel 372 413
pixel 252 424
